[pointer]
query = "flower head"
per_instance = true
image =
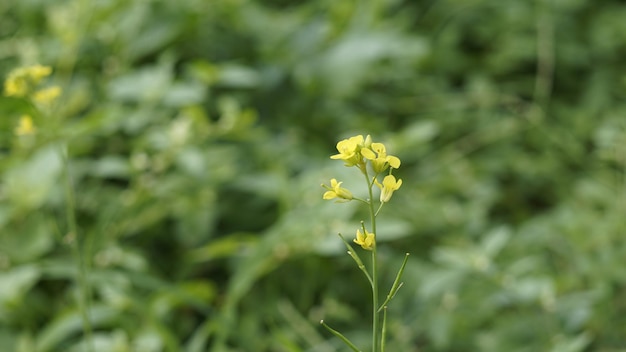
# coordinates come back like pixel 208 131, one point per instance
pixel 25 126
pixel 377 153
pixel 47 95
pixel 350 150
pixel 336 191
pixel 15 86
pixel 38 72
pixel 366 240
pixel 21 81
pixel 387 188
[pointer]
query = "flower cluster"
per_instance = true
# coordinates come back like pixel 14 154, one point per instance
pixel 355 151
pixel 24 82
pixel 366 155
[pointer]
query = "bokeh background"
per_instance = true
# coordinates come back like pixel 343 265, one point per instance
pixel 199 133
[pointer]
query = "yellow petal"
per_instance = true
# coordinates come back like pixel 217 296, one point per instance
pixel 368 154
pixel 393 161
pixel 47 95
pixel 329 195
pixel 368 141
pixel 389 181
pixel 357 140
pixel 379 148
pixel 38 72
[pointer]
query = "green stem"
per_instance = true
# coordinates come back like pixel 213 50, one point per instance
pixel 378 210
pixel 374 266
pixel 384 330
pixel 70 211
pixel 357 259
pixel 396 284
pixel 340 335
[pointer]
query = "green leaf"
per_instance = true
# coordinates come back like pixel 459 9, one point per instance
pixel 29 184
pixel 15 282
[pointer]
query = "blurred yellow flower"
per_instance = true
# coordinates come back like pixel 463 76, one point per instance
pixel 336 191
pixel 366 240
pixel 15 87
pixel 377 153
pixel 25 126
pixel 38 72
pixel 21 81
pixel 47 95
pixel 387 188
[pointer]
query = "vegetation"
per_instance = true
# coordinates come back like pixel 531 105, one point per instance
pixel 163 194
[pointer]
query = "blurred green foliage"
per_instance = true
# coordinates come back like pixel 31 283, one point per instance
pixel 199 132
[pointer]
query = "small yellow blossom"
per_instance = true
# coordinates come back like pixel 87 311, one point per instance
pixel 38 72
pixel 21 81
pixel 336 191
pixel 25 126
pixel 366 240
pixel 15 87
pixel 377 153
pixel 350 150
pixel 47 95
pixel 387 188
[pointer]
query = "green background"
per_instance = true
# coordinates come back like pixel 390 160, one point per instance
pixel 199 132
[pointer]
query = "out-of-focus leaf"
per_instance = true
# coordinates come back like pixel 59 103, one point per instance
pixel 147 84
pixel 223 247
pixel 576 344
pixel 236 76
pixel 70 323
pixel 29 184
pixel 440 281
pixel 181 94
pixel 33 239
pixel 495 241
pixel 116 341
pixel 110 166
pixel 15 282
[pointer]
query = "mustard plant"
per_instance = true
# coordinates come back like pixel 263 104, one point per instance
pixel 27 83
pixel 372 160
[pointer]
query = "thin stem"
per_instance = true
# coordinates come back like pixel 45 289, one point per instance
pixel 378 210
pixel 374 266
pixel 384 331
pixel 357 259
pixel 361 200
pixel 70 211
pixel 396 284
pixel 340 335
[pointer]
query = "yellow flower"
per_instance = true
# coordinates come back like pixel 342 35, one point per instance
pixel 21 81
pixel 25 126
pixel 47 95
pixel 336 191
pixel 15 87
pixel 38 72
pixel 366 240
pixel 350 150
pixel 377 153
pixel 388 187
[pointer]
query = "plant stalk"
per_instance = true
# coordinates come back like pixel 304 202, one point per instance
pixel 70 211
pixel 375 319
